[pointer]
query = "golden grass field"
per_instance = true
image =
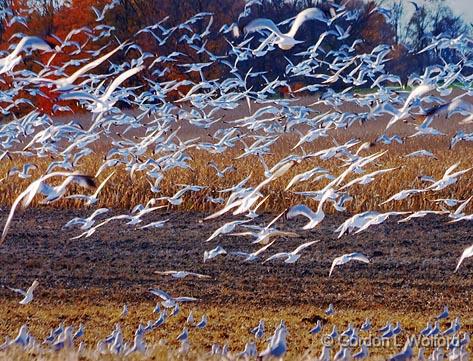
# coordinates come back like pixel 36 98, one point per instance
pixel 232 329
pixel 125 192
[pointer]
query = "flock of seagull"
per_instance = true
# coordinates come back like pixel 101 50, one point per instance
pixel 160 147
pixel 444 337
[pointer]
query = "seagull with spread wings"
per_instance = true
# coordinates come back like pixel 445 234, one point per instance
pixel 291 257
pixel 181 274
pixel 468 252
pixel 28 294
pixel 338 261
pixel 168 300
pixel 285 41
pixel 39 186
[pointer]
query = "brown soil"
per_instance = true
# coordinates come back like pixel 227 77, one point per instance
pixel 412 264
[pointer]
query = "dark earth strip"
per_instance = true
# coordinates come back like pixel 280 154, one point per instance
pixel 412 263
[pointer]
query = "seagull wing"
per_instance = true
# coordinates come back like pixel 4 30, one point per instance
pixel 337 261
pixel 451 169
pixel 78 95
pixel 185 299
pixel 359 257
pixel 242 234
pixel 460 209
pixel 364 177
pixel 17 290
pixel 81 197
pixel 84 180
pixel 120 79
pixel 37 186
pixel 468 252
pixel 275 219
pixel 303 16
pixel 265 43
pixel 104 182
pixel 276 256
pixel 198 275
pixel 215 233
pixel 240 254
pixel 304 246
pixel 260 24
pixel 224 210
pixel 32 42
pixel 382 171
pixel 355 181
pixel 262 249
pixel 157 292
pixel 459 173
pixel 165 273
pixel 300 210
pixel 33 286
pixel 30 192
pixel 86 68
pixel 281 170
pixel 348 257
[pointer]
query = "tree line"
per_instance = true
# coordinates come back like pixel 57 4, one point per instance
pixel 406 28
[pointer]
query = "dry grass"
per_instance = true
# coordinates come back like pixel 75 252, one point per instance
pixel 227 324
pixel 124 192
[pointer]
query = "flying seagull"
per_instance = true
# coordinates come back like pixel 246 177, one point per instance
pixel 181 274
pixel 168 300
pixel 39 186
pixel 468 252
pixel 28 295
pixel 347 258
pixel 286 41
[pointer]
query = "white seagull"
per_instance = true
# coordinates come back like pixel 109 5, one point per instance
pixel 14 58
pixel 338 261
pixel 468 252
pixel 168 300
pixel 285 41
pixel 93 199
pixel 302 210
pixel 291 257
pixel 181 274
pixel 226 228
pixel 28 295
pixel 217 251
pixel 38 186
